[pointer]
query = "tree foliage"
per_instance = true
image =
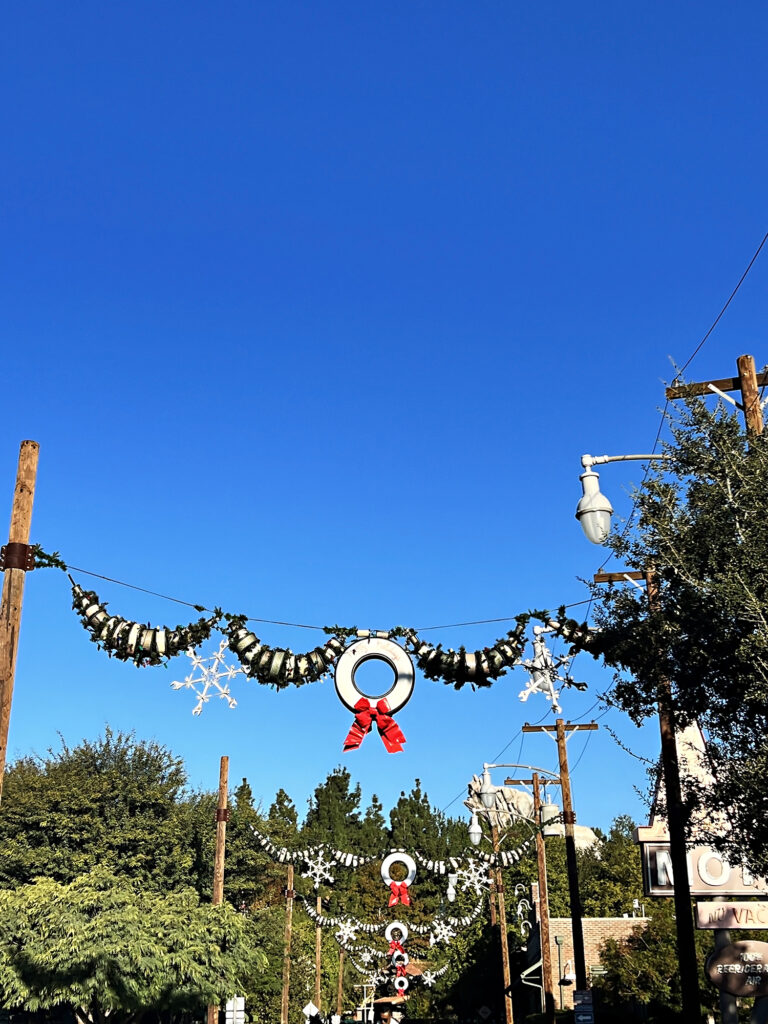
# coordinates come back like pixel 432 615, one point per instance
pixel 109 947
pixel 701 524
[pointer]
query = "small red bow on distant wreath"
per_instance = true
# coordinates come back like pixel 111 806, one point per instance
pixel 365 715
pixel 400 971
pixel 399 894
pixel 395 947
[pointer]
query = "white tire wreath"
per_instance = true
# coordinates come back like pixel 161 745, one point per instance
pixel 402 959
pixel 403 931
pixel 395 858
pixel 401 984
pixel 378 649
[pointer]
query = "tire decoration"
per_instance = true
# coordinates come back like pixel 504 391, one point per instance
pixel 133 641
pixel 398 890
pixel 479 668
pixel 277 666
pixel 370 709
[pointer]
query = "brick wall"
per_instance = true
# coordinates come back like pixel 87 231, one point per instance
pixel 596 931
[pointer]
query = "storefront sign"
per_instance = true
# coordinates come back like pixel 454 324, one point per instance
pixel 751 914
pixel 740 969
pixel 709 874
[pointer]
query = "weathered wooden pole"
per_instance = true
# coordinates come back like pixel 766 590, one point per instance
pixel 318 951
pixel 340 992
pixel 505 968
pixel 750 395
pixel 17 560
pixel 222 816
pixel 289 896
pixel 541 863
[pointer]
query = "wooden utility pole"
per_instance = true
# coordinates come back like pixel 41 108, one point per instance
pixel 569 819
pixel 17 559
pixel 222 817
pixel 289 898
pixel 541 863
pixel 748 382
pixel 318 950
pixel 340 991
pixel 507 974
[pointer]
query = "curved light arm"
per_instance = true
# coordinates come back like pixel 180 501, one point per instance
pixel 594 511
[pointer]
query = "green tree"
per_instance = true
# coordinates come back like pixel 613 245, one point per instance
pixel 114 801
pixel 701 522
pixel 643 972
pixel 111 948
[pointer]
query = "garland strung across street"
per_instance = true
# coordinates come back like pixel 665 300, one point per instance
pixel 277 666
pixel 344 651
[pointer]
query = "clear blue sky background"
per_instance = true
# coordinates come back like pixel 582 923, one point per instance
pixel 313 309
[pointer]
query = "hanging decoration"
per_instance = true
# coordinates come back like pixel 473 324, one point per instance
pixel 281 667
pixel 399 891
pixel 133 641
pixel 430 977
pixel 545 671
pixel 277 666
pixel 212 671
pixel 479 668
pixel 321 855
pixel 380 709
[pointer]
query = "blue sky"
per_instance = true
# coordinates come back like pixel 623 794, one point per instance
pixel 313 309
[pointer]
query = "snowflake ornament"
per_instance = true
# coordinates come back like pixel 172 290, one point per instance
pixel 441 932
pixel 208 681
pixel 428 978
pixel 346 933
pixel 319 869
pixel 474 876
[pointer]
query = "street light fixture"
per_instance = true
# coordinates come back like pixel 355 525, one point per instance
pixel 594 511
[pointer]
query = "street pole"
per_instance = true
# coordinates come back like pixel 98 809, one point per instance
pixel 507 975
pixel 541 863
pixel 318 950
pixel 289 895
pixel 569 819
pixel 340 990
pixel 17 560
pixel 222 816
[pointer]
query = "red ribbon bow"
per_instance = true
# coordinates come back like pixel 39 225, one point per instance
pixel 399 894
pixel 395 947
pixel 365 715
pixel 401 971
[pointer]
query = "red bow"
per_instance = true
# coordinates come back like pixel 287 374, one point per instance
pixel 401 971
pixel 395 947
pixel 399 894
pixel 366 714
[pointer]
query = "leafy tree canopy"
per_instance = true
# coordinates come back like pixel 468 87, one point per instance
pixel 112 948
pixel 701 523
pixel 112 801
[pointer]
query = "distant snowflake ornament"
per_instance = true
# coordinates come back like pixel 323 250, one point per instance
pixel 319 869
pixel 474 876
pixel 428 978
pixel 441 932
pixel 212 670
pixel 346 933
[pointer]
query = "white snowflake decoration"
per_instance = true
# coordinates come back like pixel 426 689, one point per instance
pixel 474 876
pixel 209 681
pixel 441 932
pixel 346 933
pixel 319 869
pixel 366 956
pixel 428 978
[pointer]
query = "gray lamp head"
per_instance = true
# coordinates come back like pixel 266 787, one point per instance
pixel 487 790
pixel 475 832
pixel 594 511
